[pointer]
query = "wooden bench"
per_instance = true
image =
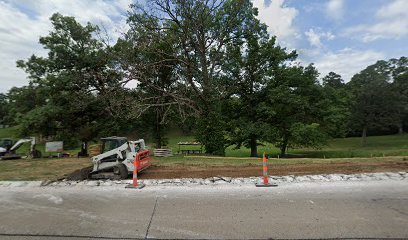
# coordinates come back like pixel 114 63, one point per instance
pixel 190 150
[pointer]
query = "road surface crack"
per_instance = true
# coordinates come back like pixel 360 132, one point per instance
pixel 151 219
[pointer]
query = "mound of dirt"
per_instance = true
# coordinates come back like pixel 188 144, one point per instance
pixel 80 174
pixel 166 172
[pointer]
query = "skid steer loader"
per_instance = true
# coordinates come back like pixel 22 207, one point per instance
pixel 117 157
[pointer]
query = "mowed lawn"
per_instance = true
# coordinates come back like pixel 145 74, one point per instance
pixel 377 146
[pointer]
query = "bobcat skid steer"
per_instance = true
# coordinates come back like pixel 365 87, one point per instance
pixel 117 157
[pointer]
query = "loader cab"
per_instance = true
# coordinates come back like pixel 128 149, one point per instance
pixel 6 143
pixel 111 143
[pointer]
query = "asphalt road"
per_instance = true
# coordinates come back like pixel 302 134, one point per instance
pixel 340 210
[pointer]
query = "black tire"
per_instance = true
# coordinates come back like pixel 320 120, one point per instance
pixel 123 172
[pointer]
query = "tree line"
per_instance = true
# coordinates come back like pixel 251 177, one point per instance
pixel 208 67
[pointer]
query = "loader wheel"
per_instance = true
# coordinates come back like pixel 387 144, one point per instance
pixel 121 170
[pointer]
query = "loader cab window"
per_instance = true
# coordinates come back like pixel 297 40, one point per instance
pixel 110 144
pixel 137 147
pixel 6 143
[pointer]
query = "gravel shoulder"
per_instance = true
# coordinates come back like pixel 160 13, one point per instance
pixel 213 181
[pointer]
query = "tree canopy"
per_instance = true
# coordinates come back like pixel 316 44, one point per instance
pixel 210 66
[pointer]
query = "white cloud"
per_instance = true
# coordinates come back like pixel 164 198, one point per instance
pixel 394 9
pixel 19 40
pixel 335 9
pixel 314 37
pixel 346 62
pixel 279 19
pixel 392 23
pixel 23 22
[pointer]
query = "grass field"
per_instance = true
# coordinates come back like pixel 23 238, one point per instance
pixel 377 146
pixel 8 132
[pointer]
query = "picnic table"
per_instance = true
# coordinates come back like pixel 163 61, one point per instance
pixel 189 149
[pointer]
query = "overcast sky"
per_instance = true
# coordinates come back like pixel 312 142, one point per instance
pixel 343 36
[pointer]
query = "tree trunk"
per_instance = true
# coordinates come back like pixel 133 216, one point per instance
pixel 158 139
pixel 254 147
pixel 400 128
pixel 84 149
pixel 284 146
pixel 158 131
pixel 364 136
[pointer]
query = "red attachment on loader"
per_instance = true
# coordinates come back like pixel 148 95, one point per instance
pixel 144 160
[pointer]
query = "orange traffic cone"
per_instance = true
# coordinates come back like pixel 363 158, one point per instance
pixel 265 175
pixel 135 183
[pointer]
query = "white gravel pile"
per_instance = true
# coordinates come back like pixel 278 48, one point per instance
pixel 401 176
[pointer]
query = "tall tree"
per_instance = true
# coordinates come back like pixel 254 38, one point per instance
pixel 201 30
pixel 293 108
pixel 22 100
pixel 4 108
pixel 373 101
pixel 337 97
pixel 400 88
pixel 146 57
pixel 249 64
pixel 77 81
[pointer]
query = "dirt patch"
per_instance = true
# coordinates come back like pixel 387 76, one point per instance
pixel 182 171
pixel 161 172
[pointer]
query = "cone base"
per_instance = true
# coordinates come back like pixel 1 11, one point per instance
pixel 141 185
pixel 266 185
